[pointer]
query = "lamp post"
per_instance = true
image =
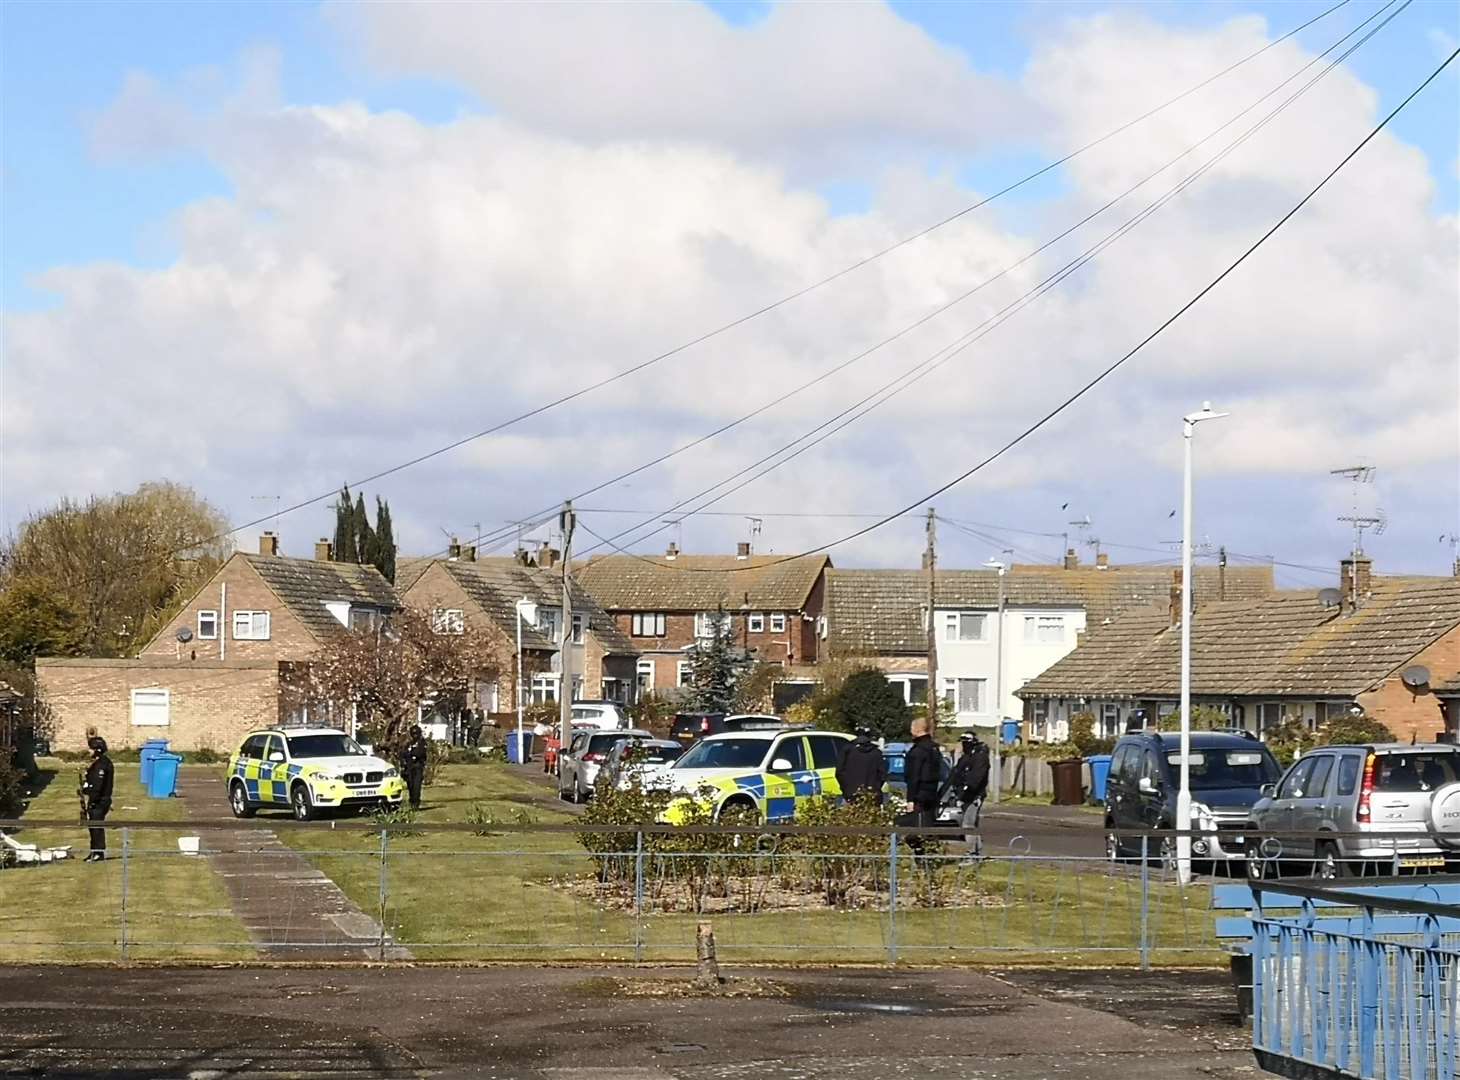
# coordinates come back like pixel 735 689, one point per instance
pixel 1183 794
pixel 997 765
pixel 526 609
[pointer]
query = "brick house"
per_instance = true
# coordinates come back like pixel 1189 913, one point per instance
pixel 668 603
pixel 881 616
pixel 1289 656
pixel 484 593
pixel 218 667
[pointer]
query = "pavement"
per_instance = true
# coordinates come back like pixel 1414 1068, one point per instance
pixel 617 1024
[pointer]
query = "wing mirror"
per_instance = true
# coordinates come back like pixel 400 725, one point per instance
pixel 1267 791
pixel 781 765
pixel 1146 785
pixel 276 756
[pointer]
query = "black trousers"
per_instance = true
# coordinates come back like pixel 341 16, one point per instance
pixel 414 779
pixel 921 818
pixel 98 811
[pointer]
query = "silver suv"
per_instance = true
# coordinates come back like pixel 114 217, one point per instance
pixel 1381 789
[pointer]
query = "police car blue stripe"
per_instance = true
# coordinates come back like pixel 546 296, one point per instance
pixel 780 809
pixel 754 785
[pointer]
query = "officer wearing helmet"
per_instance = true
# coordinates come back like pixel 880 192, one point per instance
pixel 96 790
pixel 969 783
pixel 413 764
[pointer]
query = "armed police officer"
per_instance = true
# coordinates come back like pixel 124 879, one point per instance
pixel 969 783
pixel 413 764
pixel 96 792
pixel 861 770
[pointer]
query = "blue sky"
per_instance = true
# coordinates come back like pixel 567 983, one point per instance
pixel 63 63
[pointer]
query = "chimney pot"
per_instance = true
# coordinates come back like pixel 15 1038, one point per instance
pixel 1071 559
pixel 742 549
pixel 453 549
pixel 268 544
pixel 672 550
pixel 324 551
pixel 547 557
pixel 1102 561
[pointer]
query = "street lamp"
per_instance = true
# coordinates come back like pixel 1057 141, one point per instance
pixel 526 609
pixel 997 765
pixel 1183 794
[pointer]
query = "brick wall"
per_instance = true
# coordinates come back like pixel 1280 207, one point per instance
pixel 1416 715
pixel 211 704
pixel 797 643
pixel 288 638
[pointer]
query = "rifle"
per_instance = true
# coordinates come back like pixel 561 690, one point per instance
pixel 81 792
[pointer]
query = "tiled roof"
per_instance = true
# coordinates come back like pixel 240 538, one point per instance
pixel 1285 645
pixel 881 611
pixel 495 586
pixel 408 571
pixel 701 582
pixel 1448 687
pixel 306 585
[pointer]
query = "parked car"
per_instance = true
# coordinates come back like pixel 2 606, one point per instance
pixel 1228 771
pixel 692 726
pixel 1380 788
pixel 644 758
pixel 603 715
pixel 766 773
pixel 578 768
pixel 308 770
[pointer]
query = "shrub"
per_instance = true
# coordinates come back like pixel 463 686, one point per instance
pixel 12 787
pixel 654 713
pixel 464 755
pixel 867 698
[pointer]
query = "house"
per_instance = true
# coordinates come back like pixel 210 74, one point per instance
pixel 881 616
pixel 666 604
pixel 1388 645
pixel 465 590
pixel 222 665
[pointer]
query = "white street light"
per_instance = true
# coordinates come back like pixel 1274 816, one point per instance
pixel 1183 794
pixel 997 765
pixel 526 609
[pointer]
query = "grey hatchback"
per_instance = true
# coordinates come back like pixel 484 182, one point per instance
pixel 1380 789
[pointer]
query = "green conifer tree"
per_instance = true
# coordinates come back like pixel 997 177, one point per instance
pixel 384 540
pixel 364 534
pixel 345 531
pixel 715 668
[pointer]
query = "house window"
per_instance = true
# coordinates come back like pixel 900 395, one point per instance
pixel 1269 716
pixel 755 623
pixel 914 687
pixel 250 626
pixel 544 688
pixel 821 627
pixel 1109 719
pixel 207 625
pixel 151 708
pixel 1044 629
pixel 447 621
pixel 577 629
pixel 1038 716
pixel 645 671
pixel 778 622
pixel 708 624
pixel 973 695
pixel 964 626
pixel 547 622
pixel 362 620
pixel 648 624
pixel 681 673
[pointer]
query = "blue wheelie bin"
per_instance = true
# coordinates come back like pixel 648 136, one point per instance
pixel 162 784
pixel 519 752
pixel 1099 775
pixel 1009 732
pixel 150 749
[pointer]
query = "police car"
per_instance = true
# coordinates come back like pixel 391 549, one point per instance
pixel 768 773
pixel 308 769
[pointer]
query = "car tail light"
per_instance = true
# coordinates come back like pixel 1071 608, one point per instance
pixel 704 725
pixel 593 755
pixel 1366 788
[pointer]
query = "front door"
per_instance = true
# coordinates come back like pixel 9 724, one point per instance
pixel 826 751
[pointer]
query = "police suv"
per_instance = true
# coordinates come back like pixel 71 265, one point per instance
pixel 308 769
pixel 768 773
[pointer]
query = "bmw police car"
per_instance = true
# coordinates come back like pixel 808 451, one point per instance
pixel 308 769
pixel 771 773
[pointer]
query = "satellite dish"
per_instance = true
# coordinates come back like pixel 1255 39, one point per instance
pixel 1416 677
pixel 184 635
pixel 1330 597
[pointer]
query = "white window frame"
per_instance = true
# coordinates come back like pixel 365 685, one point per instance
pixel 548 622
pixel 778 622
pixel 1110 711
pixel 256 623
pixel 210 615
pixel 953 626
pixel 165 703
pixel 681 672
pixel 365 614
pixel 545 687
pixel 645 668
pixel 707 623
pixel 953 694
pixel 448 621
pixel 1039 716
pixel 579 626
pixel 755 622
pixel 1044 629
pixel 647 624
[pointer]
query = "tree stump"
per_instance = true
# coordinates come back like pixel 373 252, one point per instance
pixel 708 974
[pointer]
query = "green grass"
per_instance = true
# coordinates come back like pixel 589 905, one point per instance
pixel 72 910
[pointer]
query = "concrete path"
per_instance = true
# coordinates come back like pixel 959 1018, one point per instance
pixel 291 909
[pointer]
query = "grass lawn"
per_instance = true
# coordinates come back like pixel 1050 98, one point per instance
pixel 463 896
pixel 72 910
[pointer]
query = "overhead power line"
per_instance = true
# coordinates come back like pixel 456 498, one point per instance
pixel 1114 366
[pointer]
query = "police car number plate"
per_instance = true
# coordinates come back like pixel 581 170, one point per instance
pixel 365 792
pixel 1422 860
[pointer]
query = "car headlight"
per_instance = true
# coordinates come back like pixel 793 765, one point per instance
pixel 391 774
pixel 1201 814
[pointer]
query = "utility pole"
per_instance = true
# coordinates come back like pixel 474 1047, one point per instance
pixel 565 651
pixel 930 563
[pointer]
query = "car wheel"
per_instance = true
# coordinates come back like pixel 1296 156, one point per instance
pixel 238 800
pixel 1257 868
pixel 1166 853
pixel 1112 847
pixel 301 802
pixel 1330 866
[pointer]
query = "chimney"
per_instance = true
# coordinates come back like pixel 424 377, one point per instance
pixel 453 550
pixel 742 549
pixel 1222 573
pixel 468 553
pixel 324 551
pixel 1456 568
pixel 547 557
pixel 1102 561
pixel 1072 561
pixel 268 544
pixel 672 551
pixel 523 558
pixel 1176 597
pixel 1355 580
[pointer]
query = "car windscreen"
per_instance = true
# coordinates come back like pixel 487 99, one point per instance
pixel 604 743
pixel 659 755
pixel 313 746
pixel 724 754
pixel 1214 769
pixel 1411 773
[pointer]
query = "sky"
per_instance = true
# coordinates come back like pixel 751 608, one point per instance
pixel 266 249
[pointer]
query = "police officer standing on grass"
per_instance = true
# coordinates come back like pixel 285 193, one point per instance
pixel 862 768
pixel 96 789
pixel 922 771
pixel 413 764
pixel 969 783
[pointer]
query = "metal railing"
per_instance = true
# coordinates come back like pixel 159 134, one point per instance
pixel 1357 984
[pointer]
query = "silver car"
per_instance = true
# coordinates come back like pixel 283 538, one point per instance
pixel 578 768
pixel 635 757
pixel 1379 789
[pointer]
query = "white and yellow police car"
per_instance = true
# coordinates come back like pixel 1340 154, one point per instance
pixel 770 773
pixel 308 769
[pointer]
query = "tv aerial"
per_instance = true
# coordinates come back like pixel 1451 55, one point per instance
pixel 1361 522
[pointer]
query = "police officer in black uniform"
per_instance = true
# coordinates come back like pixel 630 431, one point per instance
pixel 96 788
pixel 862 768
pixel 969 783
pixel 922 770
pixel 413 764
